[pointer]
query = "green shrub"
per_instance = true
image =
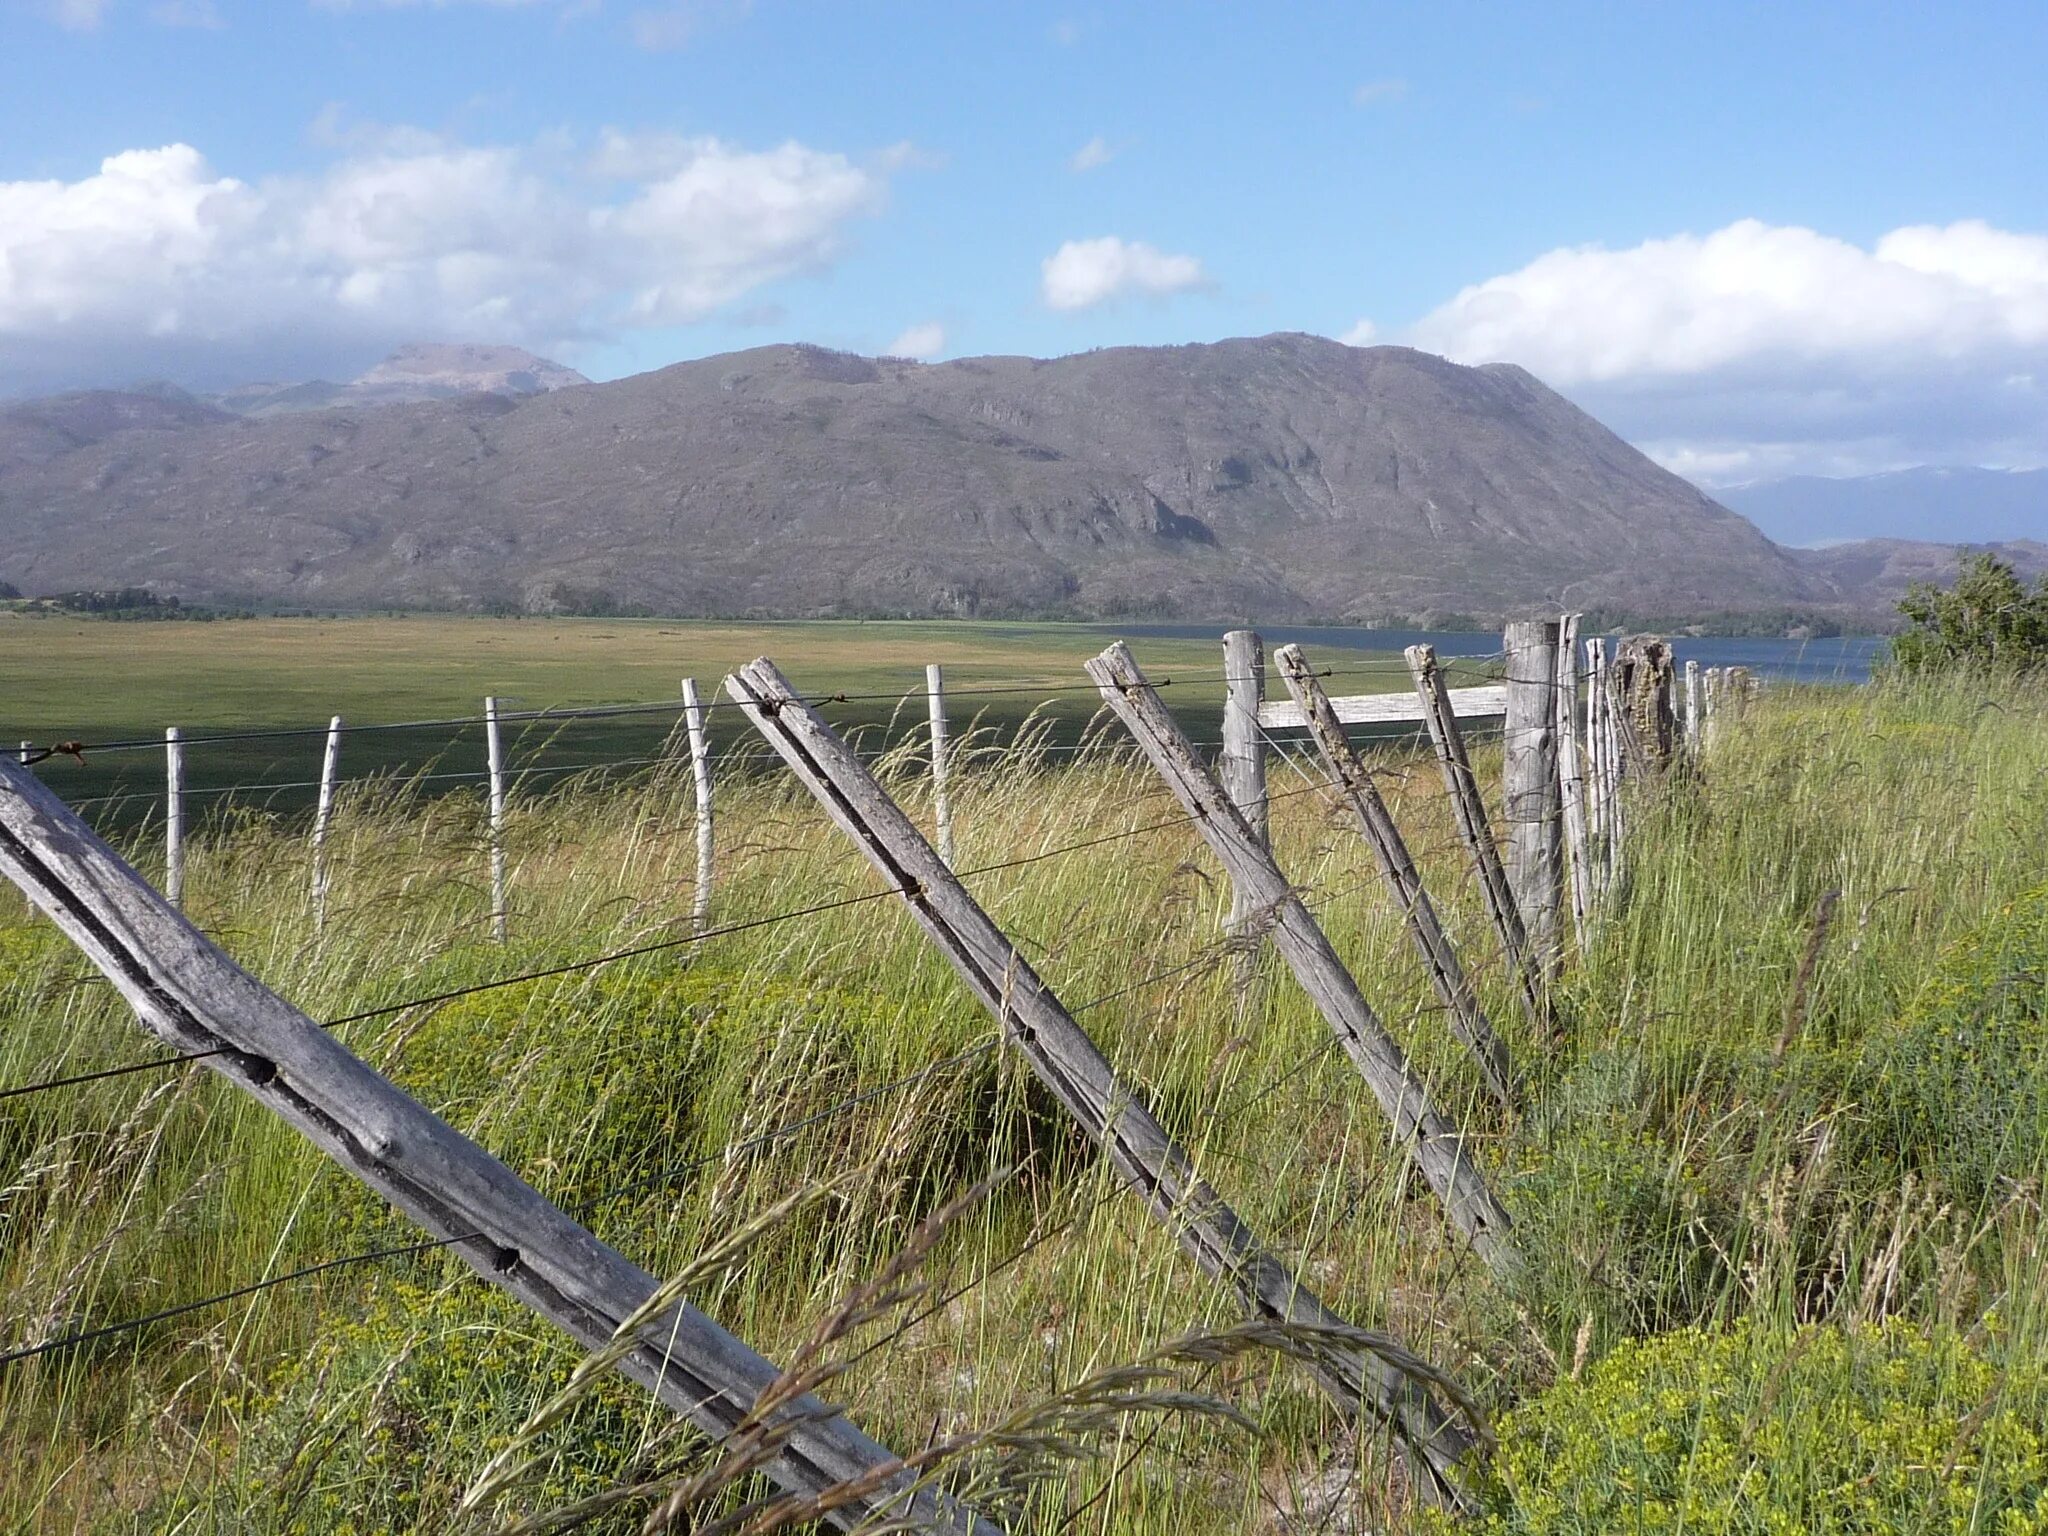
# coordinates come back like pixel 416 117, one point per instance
pixel 1870 1430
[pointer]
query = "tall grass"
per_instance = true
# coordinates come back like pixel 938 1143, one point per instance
pixel 1774 1109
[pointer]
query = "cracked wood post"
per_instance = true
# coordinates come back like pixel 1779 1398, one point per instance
pixel 942 808
pixel 1437 1146
pixel 1241 764
pixel 323 813
pixel 174 815
pixel 495 757
pixel 1571 777
pixel 1468 809
pixel 1112 1112
pixel 190 995
pixel 1404 882
pixel 700 779
pixel 1529 785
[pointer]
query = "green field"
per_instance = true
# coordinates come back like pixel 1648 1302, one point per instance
pixel 96 681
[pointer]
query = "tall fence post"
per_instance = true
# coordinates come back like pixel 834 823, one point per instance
pixel 1348 776
pixel 190 995
pixel 1571 776
pixel 1109 1109
pixel 1241 762
pixel 323 813
pixel 174 815
pixel 1531 794
pixel 494 752
pixel 1468 809
pixel 942 807
pixel 1693 707
pixel 700 782
pixel 1432 1140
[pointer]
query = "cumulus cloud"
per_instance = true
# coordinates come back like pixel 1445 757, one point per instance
pixel 1363 334
pixel 1758 348
pixel 924 341
pixel 1093 155
pixel 1084 273
pixel 159 263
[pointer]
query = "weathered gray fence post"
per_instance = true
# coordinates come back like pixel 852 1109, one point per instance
pixel 1437 1146
pixel 700 781
pixel 1468 809
pixel 174 815
pixel 1348 776
pixel 942 808
pixel 1693 710
pixel 1111 1110
pixel 323 813
pixel 1241 761
pixel 1571 777
pixel 190 995
pixel 1531 796
pixel 494 752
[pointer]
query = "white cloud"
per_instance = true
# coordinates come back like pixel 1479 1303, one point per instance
pixel 677 24
pixel 1091 156
pixel 1084 273
pixel 924 341
pixel 1363 334
pixel 77 15
pixel 158 263
pixel 1759 346
pixel 1376 93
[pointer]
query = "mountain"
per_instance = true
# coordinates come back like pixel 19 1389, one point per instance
pixel 1287 477
pixel 422 371
pixel 36 432
pixel 1928 503
pixel 1878 571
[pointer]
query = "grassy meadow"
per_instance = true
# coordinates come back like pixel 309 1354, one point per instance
pixel 1777 1178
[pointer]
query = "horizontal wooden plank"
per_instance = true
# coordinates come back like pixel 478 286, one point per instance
pixel 1388 708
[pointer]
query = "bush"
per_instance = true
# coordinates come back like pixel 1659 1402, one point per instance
pixel 1870 1430
pixel 1988 619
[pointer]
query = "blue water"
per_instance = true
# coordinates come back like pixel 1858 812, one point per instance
pixel 1840 659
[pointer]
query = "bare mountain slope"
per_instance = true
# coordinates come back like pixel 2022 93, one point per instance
pixel 1285 476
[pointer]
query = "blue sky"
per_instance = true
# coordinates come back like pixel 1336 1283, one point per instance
pixel 1754 239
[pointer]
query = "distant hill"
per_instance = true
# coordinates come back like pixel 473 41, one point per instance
pixel 1928 503
pixel 422 371
pixel 1878 571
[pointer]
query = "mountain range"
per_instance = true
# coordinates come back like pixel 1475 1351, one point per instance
pixel 1281 477
pixel 1928 502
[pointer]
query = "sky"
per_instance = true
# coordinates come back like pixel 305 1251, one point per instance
pixel 1755 240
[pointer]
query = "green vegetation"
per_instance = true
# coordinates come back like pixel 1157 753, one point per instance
pixel 1779 1185
pixel 1988 619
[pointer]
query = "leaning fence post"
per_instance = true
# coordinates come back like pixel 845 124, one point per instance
pixel 942 808
pixel 174 815
pixel 1348 776
pixel 1110 1110
pixel 1468 809
pixel 1437 1146
pixel 323 812
pixel 700 780
pixel 1241 762
pixel 1571 776
pixel 495 754
pixel 188 993
pixel 1530 797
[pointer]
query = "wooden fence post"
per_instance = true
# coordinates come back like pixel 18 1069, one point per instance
pixel 1530 799
pixel 1437 1146
pixel 174 815
pixel 1596 745
pixel 1111 1110
pixel 495 754
pixel 1348 776
pixel 1468 809
pixel 942 809
pixel 1693 707
pixel 1571 778
pixel 1241 761
pixel 694 716
pixel 190 995
pixel 323 813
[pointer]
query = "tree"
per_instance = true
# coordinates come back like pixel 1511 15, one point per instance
pixel 1987 619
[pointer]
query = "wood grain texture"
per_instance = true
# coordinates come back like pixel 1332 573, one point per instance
pixel 174 815
pixel 1478 703
pixel 1436 1145
pixel 1241 764
pixel 700 779
pixel 1351 780
pixel 942 805
pixel 194 998
pixel 1571 775
pixel 323 815
pixel 1112 1111
pixel 494 752
pixel 1530 798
